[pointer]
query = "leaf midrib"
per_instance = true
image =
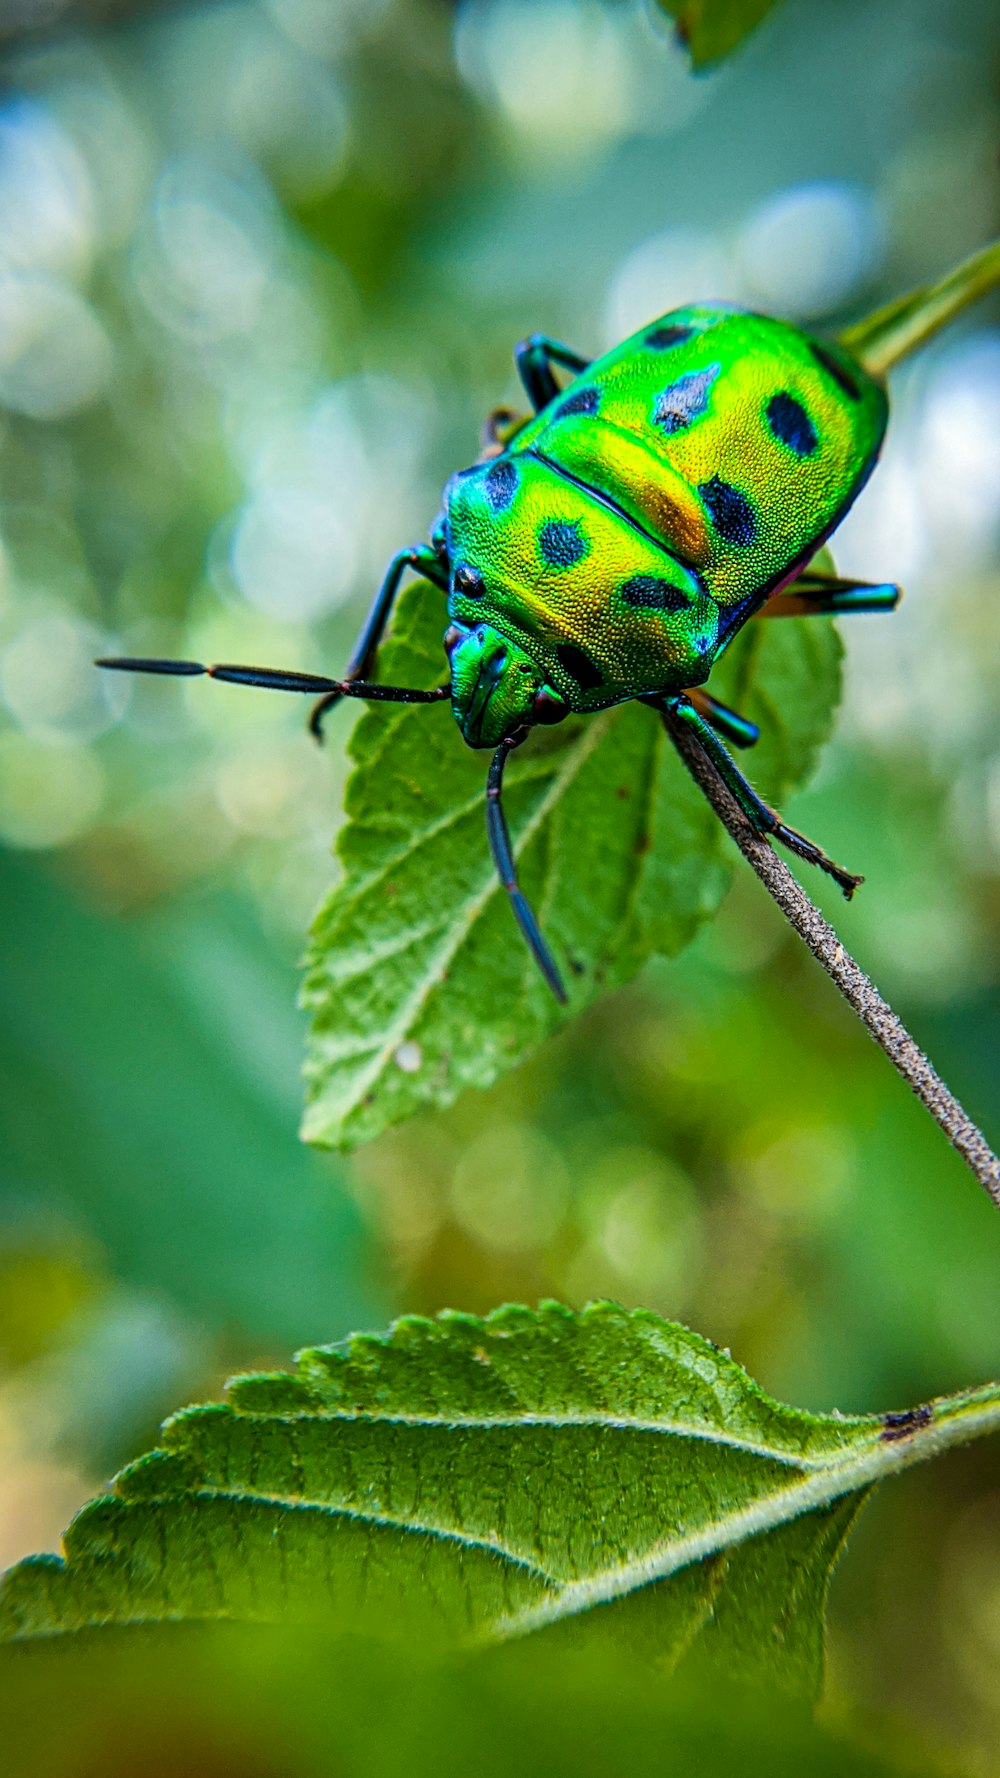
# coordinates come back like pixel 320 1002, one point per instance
pixel 967 1418
pixel 958 1421
pixel 513 1422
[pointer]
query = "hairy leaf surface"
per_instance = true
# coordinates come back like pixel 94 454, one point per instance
pixel 418 982
pixel 602 1475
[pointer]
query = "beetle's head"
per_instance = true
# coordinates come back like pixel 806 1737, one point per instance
pixel 495 687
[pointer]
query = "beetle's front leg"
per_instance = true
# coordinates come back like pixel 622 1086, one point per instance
pixel 761 817
pixel 535 357
pixel 423 560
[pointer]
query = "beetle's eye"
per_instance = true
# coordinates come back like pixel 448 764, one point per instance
pixel 548 706
pixel 469 582
pixel 453 636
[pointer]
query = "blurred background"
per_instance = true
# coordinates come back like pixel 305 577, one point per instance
pixel 262 265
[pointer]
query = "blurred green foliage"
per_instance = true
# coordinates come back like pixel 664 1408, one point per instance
pixel 261 270
pixel 227 1704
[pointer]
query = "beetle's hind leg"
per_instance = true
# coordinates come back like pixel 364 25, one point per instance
pixel 737 729
pixel 535 357
pixel 762 819
pixel 826 595
pixel 422 560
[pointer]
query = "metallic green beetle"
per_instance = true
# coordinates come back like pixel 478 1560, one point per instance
pixel 614 544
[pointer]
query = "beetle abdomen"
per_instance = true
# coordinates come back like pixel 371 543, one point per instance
pixel 736 439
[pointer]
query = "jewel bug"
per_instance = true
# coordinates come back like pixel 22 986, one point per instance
pixel 610 547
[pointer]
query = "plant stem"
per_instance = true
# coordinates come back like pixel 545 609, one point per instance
pixel 895 331
pixel 861 995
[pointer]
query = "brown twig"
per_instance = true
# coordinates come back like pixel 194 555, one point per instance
pixel 861 995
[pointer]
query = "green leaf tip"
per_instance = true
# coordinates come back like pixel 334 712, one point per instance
pixel 601 1474
pixel 417 984
pixel 712 29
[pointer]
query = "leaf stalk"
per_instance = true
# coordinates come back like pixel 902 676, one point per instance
pixel 861 995
pixel 893 332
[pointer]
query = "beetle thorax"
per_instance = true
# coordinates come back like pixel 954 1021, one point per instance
pixel 579 598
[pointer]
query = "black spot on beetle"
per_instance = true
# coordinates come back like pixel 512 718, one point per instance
pixel 896 1426
pixel 560 543
pixel 582 401
pixel 684 400
pixel 644 592
pixel 839 372
pixel 729 510
pixel 501 484
pixel 791 424
pixel 674 333
pixel 585 671
pixel 469 582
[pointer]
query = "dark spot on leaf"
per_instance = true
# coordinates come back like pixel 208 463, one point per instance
pixel 469 582
pixel 684 400
pixel 644 592
pixel 501 484
pixel 585 671
pixel 791 424
pixel 673 333
pixel 560 543
pixel 839 372
pixel 582 401
pixel 896 1426
pixel 729 510
pixel 623 793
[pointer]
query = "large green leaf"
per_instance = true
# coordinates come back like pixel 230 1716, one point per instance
pixel 604 1474
pixel 711 29
pixel 418 983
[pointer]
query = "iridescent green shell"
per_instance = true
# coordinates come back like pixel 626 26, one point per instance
pixel 555 568
pixel 636 521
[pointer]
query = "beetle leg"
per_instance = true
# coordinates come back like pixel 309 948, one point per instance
pixel 423 560
pixel 739 730
pixel 826 594
pixel 498 429
pixel 503 857
pixel 535 357
pixel 762 819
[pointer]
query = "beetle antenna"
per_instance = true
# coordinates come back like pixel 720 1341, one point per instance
pixel 274 679
pixel 503 858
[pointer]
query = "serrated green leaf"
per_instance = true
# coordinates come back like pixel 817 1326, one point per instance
pixel 603 1475
pixel 417 981
pixel 711 29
